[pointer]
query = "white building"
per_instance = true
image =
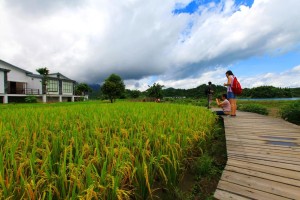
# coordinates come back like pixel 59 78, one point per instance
pixel 17 83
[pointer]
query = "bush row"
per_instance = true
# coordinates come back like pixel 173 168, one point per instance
pixel 291 113
pixel 255 108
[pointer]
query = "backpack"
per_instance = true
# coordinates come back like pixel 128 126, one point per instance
pixel 236 87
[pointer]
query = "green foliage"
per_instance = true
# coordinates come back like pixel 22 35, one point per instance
pixel 155 91
pixel 198 92
pixel 291 113
pixel 113 87
pixel 82 89
pixel 44 71
pixel 204 165
pixel 255 108
pixel 187 101
pixel 258 92
pixel 133 93
pixel 295 92
pixel 267 92
pixel 31 99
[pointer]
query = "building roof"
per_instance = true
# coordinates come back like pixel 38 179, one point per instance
pixel 6 63
pixel 28 73
pixel 59 76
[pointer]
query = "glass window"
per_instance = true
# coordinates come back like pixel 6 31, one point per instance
pixel 52 86
pixel 67 87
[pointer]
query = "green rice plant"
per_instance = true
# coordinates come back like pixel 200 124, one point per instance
pixel 97 150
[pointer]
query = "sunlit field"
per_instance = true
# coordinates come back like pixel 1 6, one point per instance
pixel 97 150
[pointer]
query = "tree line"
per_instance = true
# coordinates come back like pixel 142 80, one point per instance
pixel 114 87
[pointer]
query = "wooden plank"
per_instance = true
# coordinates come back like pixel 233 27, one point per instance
pixel 251 172
pixel 252 145
pixel 263 135
pixel 272 137
pixel 261 184
pixel 262 127
pixel 252 122
pixel 265 147
pixel 262 155
pixel 268 153
pixel 267 137
pixel 248 141
pixel 247 192
pixel 225 195
pixel 276 170
pixel 232 151
pixel 264 159
pixel 261 164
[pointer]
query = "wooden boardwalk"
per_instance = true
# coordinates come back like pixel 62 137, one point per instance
pixel 263 159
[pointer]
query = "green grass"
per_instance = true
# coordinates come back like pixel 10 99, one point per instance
pixel 255 108
pixel 273 107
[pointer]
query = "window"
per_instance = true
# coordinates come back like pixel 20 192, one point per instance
pixel 67 87
pixel 52 86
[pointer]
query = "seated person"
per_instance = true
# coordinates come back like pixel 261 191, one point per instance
pixel 224 104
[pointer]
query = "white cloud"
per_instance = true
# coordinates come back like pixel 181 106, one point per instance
pixel 88 39
pixel 216 76
pixel 289 78
pixel 296 69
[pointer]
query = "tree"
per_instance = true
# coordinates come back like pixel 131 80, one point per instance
pixel 82 89
pixel 113 87
pixel 132 93
pixel 155 91
pixel 135 94
pixel 44 72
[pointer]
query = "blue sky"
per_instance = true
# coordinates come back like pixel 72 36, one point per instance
pixel 193 6
pixel 180 43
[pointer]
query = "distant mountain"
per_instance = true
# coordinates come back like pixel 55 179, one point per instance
pixel 96 93
pixel 95 87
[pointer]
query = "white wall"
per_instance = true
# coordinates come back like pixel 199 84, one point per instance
pixel 15 75
pixel 34 83
pixel 1 82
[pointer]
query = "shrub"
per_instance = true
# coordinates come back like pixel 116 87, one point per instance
pixel 291 113
pixel 255 108
pixel 31 99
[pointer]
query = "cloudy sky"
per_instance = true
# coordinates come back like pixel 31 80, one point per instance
pixel 177 43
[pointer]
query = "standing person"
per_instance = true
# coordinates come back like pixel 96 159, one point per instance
pixel 209 92
pixel 225 105
pixel 230 95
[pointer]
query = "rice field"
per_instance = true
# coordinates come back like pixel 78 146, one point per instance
pixel 97 150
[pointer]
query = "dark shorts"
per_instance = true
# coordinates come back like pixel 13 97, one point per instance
pixel 220 113
pixel 230 95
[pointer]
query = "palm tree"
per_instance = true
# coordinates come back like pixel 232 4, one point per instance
pixel 44 72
